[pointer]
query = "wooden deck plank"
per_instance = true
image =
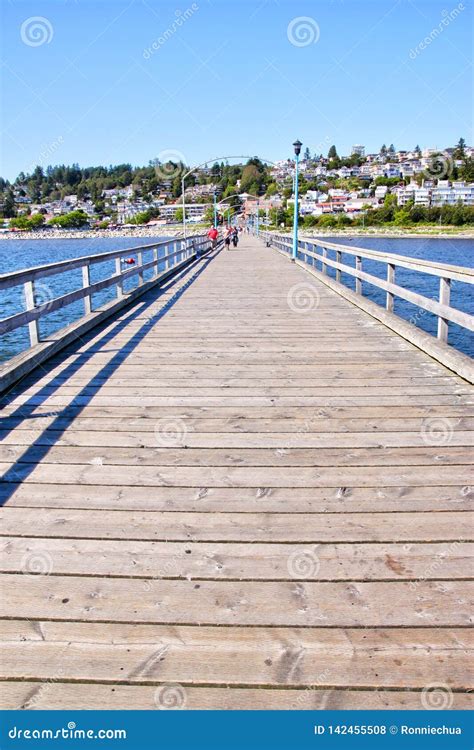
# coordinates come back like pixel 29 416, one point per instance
pixel 295 603
pixel 349 658
pixel 59 696
pixel 250 527
pixel 260 477
pixel 278 456
pixel 340 499
pixel 220 441
pixel 237 561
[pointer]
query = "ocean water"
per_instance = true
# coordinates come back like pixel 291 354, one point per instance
pixel 18 254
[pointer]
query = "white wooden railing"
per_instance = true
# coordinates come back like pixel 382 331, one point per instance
pixel 319 250
pixel 177 253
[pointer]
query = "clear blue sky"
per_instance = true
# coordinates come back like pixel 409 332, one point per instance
pixel 229 80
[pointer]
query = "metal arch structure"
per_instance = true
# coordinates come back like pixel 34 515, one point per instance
pixel 203 164
pixel 250 195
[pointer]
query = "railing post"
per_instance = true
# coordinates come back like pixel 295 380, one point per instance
pixel 324 267
pixel 118 272
pixel 444 299
pixel 140 263
pixel 30 305
pixel 86 282
pixel 358 265
pixel 338 260
pixel 155 259
pixel 391 280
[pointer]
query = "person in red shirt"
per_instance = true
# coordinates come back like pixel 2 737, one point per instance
pixel 213 234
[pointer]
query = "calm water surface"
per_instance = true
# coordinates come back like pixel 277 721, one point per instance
pixel 18 254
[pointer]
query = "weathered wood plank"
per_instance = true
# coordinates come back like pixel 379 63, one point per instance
pixel 239 401
pixel 250 527
pixel 112 653
pixel 62 696
pixel 229 476
pixel 240 500
pixel 448 439
pixel 296 603
pixel 191 560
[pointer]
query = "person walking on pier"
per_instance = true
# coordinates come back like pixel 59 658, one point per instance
pixel 227 237
pixel 213 234
pixel 235 237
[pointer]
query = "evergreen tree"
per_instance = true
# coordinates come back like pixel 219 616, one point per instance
pixel 9 205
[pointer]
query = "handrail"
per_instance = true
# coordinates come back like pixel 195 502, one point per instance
pixel 48 269
pixel 446 273
pixel 194 245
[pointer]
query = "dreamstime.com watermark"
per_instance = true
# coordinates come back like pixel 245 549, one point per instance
pixel 303 31
pixel 303 297
pixel 36 31
pixel 448 18
pixel 181 18
pixel 71 732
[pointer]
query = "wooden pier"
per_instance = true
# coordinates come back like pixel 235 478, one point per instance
pixel 243 491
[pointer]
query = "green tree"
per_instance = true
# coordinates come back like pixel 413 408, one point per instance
pixel 459 151
pixel 72 220
pixel 332 153
pixel 9 205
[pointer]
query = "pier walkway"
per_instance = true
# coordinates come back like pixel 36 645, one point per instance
pixel 241 492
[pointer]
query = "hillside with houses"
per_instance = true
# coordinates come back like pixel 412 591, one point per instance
pixel 390 186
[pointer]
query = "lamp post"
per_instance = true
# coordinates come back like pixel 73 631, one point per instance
pixel 184 204
pixel 215 211
pixel 258 218
pixel 297 146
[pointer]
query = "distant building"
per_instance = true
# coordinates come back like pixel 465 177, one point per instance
pixel 445 194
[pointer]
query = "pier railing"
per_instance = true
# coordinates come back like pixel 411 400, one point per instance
pixel 319 250
pixel 166 258
pixel 318 255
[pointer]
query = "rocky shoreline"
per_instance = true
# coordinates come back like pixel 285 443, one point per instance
pixel 153 232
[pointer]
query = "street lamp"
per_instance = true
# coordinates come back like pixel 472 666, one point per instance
pixel 258 218
pixel 297 146
pixel 215 210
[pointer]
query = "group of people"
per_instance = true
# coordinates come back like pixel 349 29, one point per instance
pixel 231 234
